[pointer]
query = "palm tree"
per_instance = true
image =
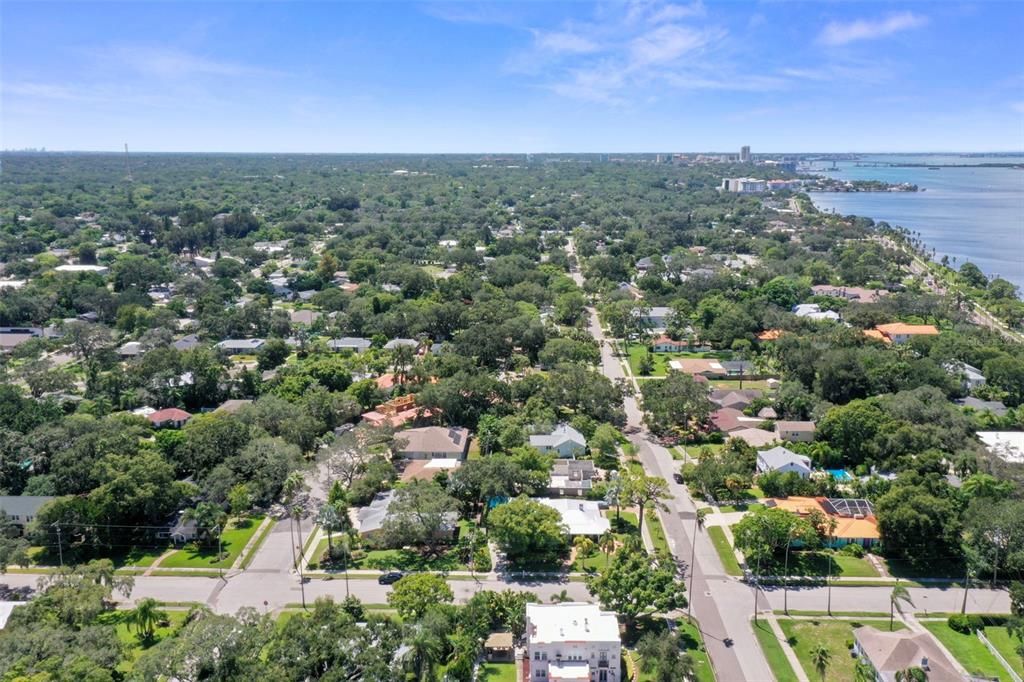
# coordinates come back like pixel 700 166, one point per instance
pixel 145 617
pixel 425 649
pixel 821 658
pixel 607 544
pixel 584 546
pixel 899 594
pixel 911 675
pixel 562 596
pixel 665 657
pixel 293 486
pixel 209 520
pixel 863 672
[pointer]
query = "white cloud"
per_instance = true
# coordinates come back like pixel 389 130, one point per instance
pixel 172 63
pixel 1018 107
pixel 564 42
pixel 665 44
pixel 676 12
pixel 40 91
pixel 840 33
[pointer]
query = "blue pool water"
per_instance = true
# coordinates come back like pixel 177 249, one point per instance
pixel 840 475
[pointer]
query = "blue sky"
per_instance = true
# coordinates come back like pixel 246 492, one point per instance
pixel 517 77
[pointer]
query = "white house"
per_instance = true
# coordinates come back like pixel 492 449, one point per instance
pixel 580 517
pixel 563 440
pixel 21 509
pixel 971 377
pixel 572 642
pixel 813 311
pixel 795 431
pixel 783 460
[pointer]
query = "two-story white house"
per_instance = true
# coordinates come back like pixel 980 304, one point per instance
pixel 572 642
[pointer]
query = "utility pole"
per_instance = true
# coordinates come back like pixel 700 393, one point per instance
pixel 828 582
pixel 60 548
pixel 220 549
pixel 785 577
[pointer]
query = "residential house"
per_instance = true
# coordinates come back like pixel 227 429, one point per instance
pixel 131 349
pixel 572 477
pixel 427 469
pixel 240 346
pixel 580 517
pixel 739 399
pixel 170 417
pixel 897 332
pixel 563 440
pixel 891 653
pixel 350 343
pixel 769 335
pixel 855 518
pixel 186 342
pixel 813 311
pixel 664 344
pixel 430 442
pixel 784 461
pixel 180 529
pixel 656 318
pixel 306 318
pixel 1006 445
pixel 232 406
pixel 854 294
pixel 795 431
pixel 996 407
pixel 970 377
pixel 738 368
pixel 571 642
pixel 397 412
pixel 21 509
pixel 754 437
pixel 98 269
pixel 396 343
pixel 710 369
pixel 767 413
pixel 371 519
pixel 729 419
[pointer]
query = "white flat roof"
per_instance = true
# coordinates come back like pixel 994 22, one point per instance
pixel 570 622
pixel 1006 445
pixel 582 517
pixel 5 611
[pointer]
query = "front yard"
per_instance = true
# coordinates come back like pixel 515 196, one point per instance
pixel 637 351
pixel 969 650
pixel 835 635
pixel 233 541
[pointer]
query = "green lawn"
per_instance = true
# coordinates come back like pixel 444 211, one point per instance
pixel 134 647
pixel 774 653
pixel 657 533
pixel 497 672
pixel 233 540
pixel 637 351
pixel 690 639
pixel 804 635
pixel 968 649
pixel 407 560
pixel 941 569
pixel 1007 645
pixel 805 563
pixel 724 549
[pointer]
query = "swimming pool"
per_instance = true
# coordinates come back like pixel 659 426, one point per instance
pixel 841 475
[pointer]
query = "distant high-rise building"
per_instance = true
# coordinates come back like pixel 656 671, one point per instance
pixel 745 154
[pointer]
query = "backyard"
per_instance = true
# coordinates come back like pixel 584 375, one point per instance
pixel 690 639
pixel 835 635
pixel 497 672
pixel 127 635
pixel 637 351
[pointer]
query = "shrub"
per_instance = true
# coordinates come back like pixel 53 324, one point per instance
pixel 482 560
pixel 853 550
pixel 964 623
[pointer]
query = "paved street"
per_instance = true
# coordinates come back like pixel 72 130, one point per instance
pixel 274 590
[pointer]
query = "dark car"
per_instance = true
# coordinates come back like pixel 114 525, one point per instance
pixel 678 477
pixel 390 577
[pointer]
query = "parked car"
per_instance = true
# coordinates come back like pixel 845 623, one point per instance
pixel 678 477
pixel 390 577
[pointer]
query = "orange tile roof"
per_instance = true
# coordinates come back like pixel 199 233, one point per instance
pixel 877 335
pixel 847 527
pixel 769 335
pixel 908 329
